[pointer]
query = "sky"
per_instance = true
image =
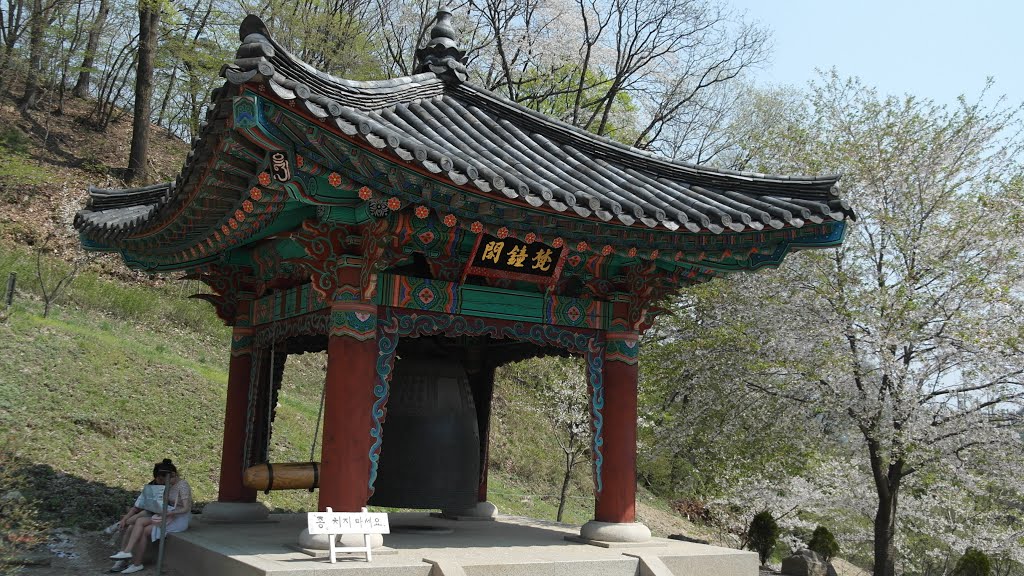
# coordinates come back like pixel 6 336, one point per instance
pixel 937 49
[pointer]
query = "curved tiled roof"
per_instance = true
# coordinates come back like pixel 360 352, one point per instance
pixel 113 210
pixel 490 145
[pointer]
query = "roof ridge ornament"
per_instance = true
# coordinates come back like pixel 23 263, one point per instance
pixel 252 24
pixel 443 55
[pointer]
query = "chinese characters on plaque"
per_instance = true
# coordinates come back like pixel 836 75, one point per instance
pixel 510 258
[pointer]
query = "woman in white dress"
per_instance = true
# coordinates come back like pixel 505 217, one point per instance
pixel 179 512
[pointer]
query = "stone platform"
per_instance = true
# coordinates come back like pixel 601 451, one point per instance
pixel 421 545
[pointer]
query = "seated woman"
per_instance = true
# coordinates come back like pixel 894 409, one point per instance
pixel 135 513
pixel 179 512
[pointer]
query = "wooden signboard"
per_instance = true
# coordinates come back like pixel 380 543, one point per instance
pixel 516 260
pixel 334 523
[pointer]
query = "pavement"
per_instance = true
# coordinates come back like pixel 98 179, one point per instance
pixel 423 545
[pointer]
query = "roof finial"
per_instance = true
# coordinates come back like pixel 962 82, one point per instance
pixel 252 24
pixel 443 55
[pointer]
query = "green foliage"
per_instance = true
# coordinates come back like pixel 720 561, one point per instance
pixel 93 165
pixel 14 140
pixel 96 399
pixel 19 232
pixel 554 94
pixel 95 409
pixel 537 497
pixel 336 41
pixel 824 543
pixel 698 394
pixel 528 438
pixel 762 535
pixel 17 172
pixel 165 304
pixel 974 562
pixel 560 387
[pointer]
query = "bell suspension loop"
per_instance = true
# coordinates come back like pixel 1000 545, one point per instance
pixel 319 416
pixel 270 398
pixel 254 381
pixel 250 410
pixel 316 432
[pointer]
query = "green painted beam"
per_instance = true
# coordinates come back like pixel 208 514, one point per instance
pixel 289 219
pixel 346 214
pixel 497 303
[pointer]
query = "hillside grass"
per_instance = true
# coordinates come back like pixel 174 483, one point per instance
pixel 116 378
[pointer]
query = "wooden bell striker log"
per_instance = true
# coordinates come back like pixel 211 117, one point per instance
pixel 283 476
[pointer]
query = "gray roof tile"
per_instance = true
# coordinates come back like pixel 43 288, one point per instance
pixel 496 146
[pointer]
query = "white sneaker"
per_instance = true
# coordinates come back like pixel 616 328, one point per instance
pixel 132 568
pixel 118 566
pixel 121 555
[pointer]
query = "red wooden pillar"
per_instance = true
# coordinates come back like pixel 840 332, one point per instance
pixel 616 502
pixel 349 401
pixel 236 406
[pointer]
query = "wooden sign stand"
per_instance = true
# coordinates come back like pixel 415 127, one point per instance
pixel 334 523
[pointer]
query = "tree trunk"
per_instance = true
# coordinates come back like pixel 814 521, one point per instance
pixel 15 11
pixel 33 86
pixel 887 476
pixel 149 20
pixel 81 89
pixel 885 535
pixel 167 97
pixel 565 489
pixel 5 59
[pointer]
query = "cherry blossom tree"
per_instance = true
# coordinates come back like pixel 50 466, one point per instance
pixel 706 426
pixel 909 331
pixel 559 386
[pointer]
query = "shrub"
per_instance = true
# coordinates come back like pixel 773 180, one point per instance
pixel 14 140
pixel 20 174
pixel 974 562
pixel 94 166
pixel 762 535
pixel 824 543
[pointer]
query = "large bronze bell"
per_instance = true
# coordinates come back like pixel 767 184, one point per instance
pixel 430 456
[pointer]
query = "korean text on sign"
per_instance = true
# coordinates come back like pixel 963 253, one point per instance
pixel 348 523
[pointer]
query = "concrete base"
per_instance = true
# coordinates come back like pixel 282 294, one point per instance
pixel 376 540
pixel 508 546
pixel 652 543
pixel 615 532
pixel 309 541
pixel 482 511
pixel 234 512
pixel 318 553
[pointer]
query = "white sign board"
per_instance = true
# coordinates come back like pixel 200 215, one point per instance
pixel 348 523
pixel 334 523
